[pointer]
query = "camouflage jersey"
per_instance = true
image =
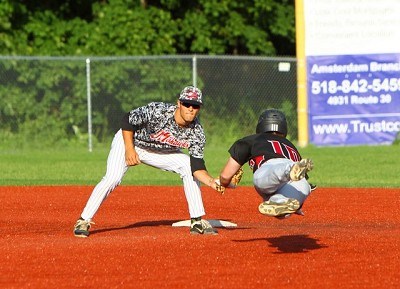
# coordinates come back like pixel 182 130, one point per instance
pixel 155 128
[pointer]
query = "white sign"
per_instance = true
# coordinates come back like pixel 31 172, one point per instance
pixel 339 27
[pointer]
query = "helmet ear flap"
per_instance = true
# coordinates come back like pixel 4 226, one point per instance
pixel 272 120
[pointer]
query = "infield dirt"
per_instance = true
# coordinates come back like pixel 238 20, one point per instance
pixel 348 238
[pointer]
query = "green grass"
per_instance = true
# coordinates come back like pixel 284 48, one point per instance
pixel 355 166
pixel 358 166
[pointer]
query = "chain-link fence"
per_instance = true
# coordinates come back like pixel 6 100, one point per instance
pixel 61 100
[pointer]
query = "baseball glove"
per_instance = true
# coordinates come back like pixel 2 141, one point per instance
pixel 219 188
pixel 237 177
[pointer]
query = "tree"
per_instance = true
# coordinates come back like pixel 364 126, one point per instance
pixel 123 27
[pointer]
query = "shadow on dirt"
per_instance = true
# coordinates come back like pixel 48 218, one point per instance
pixel 157 223
pixel 137 225
pixel 291 243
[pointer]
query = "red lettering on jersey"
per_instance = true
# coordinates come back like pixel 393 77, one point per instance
pixel 256 162
pixel 293 154
pixel 168 138
pixel 161 136
pixel 276 145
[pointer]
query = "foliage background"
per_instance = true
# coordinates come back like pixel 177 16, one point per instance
pixel 146 27
pixel 43 100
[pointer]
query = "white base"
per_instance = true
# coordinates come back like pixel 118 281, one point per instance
pixel 214 223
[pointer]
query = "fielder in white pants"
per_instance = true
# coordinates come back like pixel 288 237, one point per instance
pixel 177 162
pixel 155 135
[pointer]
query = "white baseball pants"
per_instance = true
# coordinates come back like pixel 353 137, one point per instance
pixel 177 162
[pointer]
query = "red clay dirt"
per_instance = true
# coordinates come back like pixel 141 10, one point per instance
pixel 348 238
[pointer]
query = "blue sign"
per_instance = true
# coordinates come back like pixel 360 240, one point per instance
pixel 353 99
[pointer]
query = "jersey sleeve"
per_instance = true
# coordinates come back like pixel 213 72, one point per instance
pixel 240 151
pixel 196 149
pixel 197 142
pixel 138 118
pixel 197 164
pixel 125 125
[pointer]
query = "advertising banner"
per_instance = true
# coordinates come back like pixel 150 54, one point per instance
pixel 354 99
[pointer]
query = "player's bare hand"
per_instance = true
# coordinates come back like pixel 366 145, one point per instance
pixel 131 157
pixel 216 185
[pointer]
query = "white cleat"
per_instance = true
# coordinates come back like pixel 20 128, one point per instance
pixel 274 209
pixel 299 169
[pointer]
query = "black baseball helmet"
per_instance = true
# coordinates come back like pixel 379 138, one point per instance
pixel 272 120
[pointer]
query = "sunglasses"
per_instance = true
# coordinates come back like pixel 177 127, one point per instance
pixel 195 106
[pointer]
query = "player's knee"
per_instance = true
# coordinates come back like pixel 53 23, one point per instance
pixel 110 183
pixel 184 171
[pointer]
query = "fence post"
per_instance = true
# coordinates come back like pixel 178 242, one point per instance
pixel 194 70
pixel 89 104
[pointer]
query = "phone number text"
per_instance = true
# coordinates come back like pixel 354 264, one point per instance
pixel 376 85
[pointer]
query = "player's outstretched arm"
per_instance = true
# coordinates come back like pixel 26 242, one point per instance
pixel 204 177
pixel 231 174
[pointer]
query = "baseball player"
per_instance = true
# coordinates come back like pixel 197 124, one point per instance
pixel 279 172
pixel 155 135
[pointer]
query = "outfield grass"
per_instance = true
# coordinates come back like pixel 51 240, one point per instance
pixel 358 166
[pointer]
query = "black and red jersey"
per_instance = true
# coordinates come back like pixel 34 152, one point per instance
pixel 259 148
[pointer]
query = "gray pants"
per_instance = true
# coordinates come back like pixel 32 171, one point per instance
pixel 273 183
